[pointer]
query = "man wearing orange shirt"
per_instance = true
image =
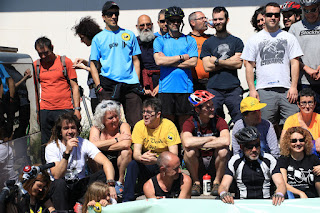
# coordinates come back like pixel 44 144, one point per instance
pixel 59 93
pixel 198 24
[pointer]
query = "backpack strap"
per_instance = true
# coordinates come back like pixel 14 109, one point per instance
pixel 38 70
pixel 196 128
pixel 65 74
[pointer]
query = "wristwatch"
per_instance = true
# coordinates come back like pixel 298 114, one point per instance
pixel 216 62
pixel 66 156
pixel 111 182
pixel 77 108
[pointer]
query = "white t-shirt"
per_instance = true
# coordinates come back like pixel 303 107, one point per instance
pixel 78 156
pixel 272 53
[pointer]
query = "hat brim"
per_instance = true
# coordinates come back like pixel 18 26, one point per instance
pixel 255 107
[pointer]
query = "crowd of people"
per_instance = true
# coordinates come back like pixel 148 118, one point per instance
pixel 158 100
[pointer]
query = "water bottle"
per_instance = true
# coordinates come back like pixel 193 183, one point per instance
pixel 206 184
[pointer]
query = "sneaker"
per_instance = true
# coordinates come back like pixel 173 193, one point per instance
pixel 119 188
pixel 196 190
pixel 214 191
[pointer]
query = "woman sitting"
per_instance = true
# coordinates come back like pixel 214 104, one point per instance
pixel 112 137
pixel 300 168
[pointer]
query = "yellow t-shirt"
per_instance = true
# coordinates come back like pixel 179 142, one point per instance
pixel 157 140
pixel 314 127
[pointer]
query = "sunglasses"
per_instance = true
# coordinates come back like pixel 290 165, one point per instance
pixel 313 10
pixel 250 146
pixel 162 21
pixel 110 14
pixel 178 21
pixel 147 25
pixel 295 140
pixel 287 14
pixel 276 15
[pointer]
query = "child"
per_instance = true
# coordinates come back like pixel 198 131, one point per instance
pixel 97 192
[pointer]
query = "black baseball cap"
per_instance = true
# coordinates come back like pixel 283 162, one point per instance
pixel 108 5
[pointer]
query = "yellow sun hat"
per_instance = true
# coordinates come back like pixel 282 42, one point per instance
pixel 251 104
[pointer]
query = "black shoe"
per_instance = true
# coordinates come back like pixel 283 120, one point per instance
pixel 196 190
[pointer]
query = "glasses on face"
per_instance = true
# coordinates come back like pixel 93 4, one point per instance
pixel 276 15
pixel 147 25
pixel 46 53
pixel 250 146
pixel 305 103
pixel 313 10
pixel 287 14
pixel 201 18
pixel 110 14
pixel 148 112
pixel 162 21
pixel 295 140
pixel 173 21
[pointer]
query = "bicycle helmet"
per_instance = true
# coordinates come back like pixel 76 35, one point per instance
pixel 174 11
pixel 291 6
pixel 247 134
pixel 308 2
pixel 200 97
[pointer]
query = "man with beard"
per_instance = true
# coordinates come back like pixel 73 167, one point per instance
pixel 150 71
pixel 307 32
pixel 253 171
pixel 176 54
pixel 275 55
pixel 162 23
pixel 198 23
pixel 221 58
pixel 291 12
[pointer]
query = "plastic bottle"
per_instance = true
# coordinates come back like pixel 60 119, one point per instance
pixel 206 184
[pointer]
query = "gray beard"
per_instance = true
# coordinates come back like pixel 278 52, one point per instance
pixel 146 36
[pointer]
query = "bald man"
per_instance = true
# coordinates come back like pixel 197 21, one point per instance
pixel 170 182
pixel 150 71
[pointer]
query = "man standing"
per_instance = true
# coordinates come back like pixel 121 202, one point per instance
pixel 198 23
pixel 117 51
pixel 221 58
pixel 291 12
pixel 69 152
pixel 150 137
pixel 253 171
pixel 205 138
pixel 162 23
pixel 170 182
pixel 307 32
pixel 176 54
pixel 150 71
pixel 59 90
pixel 274 53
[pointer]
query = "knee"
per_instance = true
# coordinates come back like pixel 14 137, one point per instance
pixel 190 153
pixel 58 185
pixel 133 165
pixel 126 153
pixel 223 153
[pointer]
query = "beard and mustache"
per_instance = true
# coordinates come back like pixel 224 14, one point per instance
pixel 146 35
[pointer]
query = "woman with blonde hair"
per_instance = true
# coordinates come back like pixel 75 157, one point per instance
pixel 298 165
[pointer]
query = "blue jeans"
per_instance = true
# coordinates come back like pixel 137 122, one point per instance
pixel 135 170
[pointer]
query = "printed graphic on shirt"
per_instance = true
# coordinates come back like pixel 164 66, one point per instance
pixel 170 137
pixel 300 177
pixel 272 52
pixel 309 32
pixel 223 50
pixel 125 36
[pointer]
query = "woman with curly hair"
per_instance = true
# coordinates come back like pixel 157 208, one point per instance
pixel 112 137
pixel 299 167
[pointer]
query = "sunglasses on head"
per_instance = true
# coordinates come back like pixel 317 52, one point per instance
pixel 295 140
pixel 110 14
pixel 250 146
pixel 276 15
pixel 162 21
pixel 313 10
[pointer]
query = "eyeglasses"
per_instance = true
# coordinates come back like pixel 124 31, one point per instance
pixel 162 21
pixel 147 25
pixel 276 15
pixel 313 10
pixel 250 146
pixel 287 14
pixel 178 21
pixel 148 112
pixel 304 103
pixel 110 14
pixel 201 18
pixel 295 140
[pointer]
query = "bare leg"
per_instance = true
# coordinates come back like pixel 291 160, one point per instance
pixel 220 163
pixel 192 163
pixel 123 160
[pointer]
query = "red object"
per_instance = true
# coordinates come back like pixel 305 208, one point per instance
pixel 27 169
pixel 200 97
pixel 206 177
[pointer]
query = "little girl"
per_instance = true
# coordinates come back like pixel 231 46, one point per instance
pixel 97 192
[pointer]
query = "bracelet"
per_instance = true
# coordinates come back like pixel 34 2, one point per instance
pixel 225 194
pixel 99 88
pixel 116 140
pixel 111 182
pixel 181 58
pixel 278 194
pixel 66 156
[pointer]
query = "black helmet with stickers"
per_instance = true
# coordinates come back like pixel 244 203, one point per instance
pixel 247 134
pixel 174 11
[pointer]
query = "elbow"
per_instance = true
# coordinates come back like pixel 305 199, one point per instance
pixel 186 144
pixel 227 142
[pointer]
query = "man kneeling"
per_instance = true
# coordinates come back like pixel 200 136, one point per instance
pixel 170 182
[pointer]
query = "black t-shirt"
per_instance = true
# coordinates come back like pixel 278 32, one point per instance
pixel 222 48
pixel 146 56
pixel 300 175
pixel 175 188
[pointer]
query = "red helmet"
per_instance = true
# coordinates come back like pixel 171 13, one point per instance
pixel 200 97
pixel 291 5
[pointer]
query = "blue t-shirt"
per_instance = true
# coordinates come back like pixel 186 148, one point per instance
pixel 4 75
pixel 222 48
pixel 114 50
pixel 173 79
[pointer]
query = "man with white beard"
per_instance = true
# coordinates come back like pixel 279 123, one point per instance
pixel 150 71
